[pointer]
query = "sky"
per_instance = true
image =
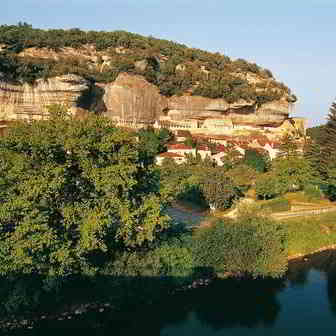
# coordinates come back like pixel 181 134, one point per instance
pixel 294 39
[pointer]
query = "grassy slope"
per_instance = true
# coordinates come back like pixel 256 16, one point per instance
pixel 308 234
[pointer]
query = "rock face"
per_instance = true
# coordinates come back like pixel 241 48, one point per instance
pixel 30 101
pixel 133 98
pixel 241 113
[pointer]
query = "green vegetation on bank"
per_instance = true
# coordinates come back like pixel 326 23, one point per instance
pixel 308 234
pixel 249 245
pixel 82 203
pixel 173 67
pixel 83 206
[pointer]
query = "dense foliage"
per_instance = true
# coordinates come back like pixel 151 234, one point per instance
pixel 248 245
pixel 260 162
pixel 321 152
pixel 173 67
pixel 72 191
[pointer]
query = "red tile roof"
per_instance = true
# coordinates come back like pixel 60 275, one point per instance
pixel 202 148
pixel 170 155
pixel 179 146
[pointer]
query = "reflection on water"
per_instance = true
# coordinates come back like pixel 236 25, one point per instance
pixel 305 300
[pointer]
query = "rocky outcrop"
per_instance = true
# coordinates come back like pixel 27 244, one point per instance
pixel 271 114
pixel 133 98
pixel 30 101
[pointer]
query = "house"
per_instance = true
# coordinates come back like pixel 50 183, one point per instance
pixel 178 158
pixel 182 135
pixel 203 151
pixel 181 149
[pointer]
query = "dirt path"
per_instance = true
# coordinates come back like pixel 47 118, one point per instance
pixel 303 213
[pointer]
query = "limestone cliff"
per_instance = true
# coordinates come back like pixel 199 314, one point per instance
pixel 132 99
pixel 135 80
pixel 30 101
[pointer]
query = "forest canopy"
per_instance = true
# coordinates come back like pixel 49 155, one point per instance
pixel 173 67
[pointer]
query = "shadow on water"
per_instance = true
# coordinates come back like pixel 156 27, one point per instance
pixel 227 304
pixel 223 304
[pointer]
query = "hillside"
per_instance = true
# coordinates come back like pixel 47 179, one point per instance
pixel 132 77
pixel 28 54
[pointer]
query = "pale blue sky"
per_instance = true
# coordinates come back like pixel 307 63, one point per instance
pixel 294 39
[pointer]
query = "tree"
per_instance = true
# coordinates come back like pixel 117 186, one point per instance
pixel 152 142
pixel 327 139
pixel 218 189
pixel 293 173
pixel 173 179
pixel 242 175
pixel 256 160
pixel 149 145
pixel 321 153
pixel 164 135
pixel 267 186
pixel 233 156
pixel 71 191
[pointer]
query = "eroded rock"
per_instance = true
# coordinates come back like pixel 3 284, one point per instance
pixel 30 101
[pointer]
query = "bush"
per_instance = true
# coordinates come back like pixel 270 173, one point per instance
pixel 276 205
pixel 251 245
pixel 218 189
pixel 312 192
pixel 171 259
pixel 256 160
pixel 330 191
pixel 267 186
pixel 242 175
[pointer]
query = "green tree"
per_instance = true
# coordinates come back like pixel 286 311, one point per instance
pixel 252 244
pixel 71 191
pixel 149 145
pixel 267 186
pixel 218 189
pixel 256 160
pixel 242 175
pixel 293 173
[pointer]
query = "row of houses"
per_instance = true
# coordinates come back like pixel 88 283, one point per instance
pixel 179 151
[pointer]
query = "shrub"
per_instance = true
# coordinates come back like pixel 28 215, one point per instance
pixel 312 192
pixel 267 186
pixel 330 191
pixel 242 175
pixel 218 189
pixel 276 205
pixel 252 245
pixel 256 160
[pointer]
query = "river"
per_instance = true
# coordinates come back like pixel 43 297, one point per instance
pixel 304 301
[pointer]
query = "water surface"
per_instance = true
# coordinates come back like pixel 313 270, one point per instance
pixel 304 301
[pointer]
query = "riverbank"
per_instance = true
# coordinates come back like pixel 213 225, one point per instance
pixel 307 237
pixel 308 232
pixel 98 315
